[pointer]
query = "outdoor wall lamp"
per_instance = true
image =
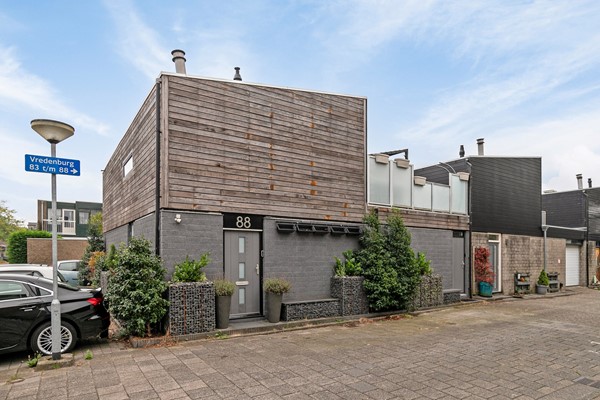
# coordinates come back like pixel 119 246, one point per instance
pixel 178 218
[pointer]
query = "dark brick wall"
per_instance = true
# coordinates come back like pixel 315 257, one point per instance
pixel 197 234
pixel 116 236
pixel 306 260
pixel 145 227
pixel 437 246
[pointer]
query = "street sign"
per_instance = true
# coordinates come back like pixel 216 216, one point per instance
pixel 51 165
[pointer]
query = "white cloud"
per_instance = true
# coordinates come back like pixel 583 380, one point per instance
pixel 137 43
pixel 19 88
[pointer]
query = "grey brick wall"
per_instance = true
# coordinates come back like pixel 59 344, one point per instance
pixel 306 260
pixel 116 236
pixel 437 246
pixel 197 233
pixel 145 227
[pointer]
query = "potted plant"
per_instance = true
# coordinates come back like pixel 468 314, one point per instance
pixel 275 288
pixel 223 291
pixel 542 283
pixel 484 275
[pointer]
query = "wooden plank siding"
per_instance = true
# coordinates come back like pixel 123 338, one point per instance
pixel 126 199
pixel 237 147
pixel 427 219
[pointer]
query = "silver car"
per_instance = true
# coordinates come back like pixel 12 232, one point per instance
pixel 30 269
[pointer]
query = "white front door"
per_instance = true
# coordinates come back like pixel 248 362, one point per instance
pixel 495 260
pixel 68 222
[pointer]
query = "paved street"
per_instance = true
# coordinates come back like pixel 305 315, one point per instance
pixel 538 348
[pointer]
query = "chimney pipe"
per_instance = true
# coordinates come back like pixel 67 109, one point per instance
pixel 179 60
pixel 590 183
pixel 579 181
pixel 461 152
pixel 480 147
pixel 237 76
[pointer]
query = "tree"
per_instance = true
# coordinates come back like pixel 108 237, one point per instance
pixel 95 245
pixel 8 222
pixel 390 268
pixel 136 288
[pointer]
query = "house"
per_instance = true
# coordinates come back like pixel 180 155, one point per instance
pixel 73 218
pixel 270 181
pixel 505 204
pixel 575 217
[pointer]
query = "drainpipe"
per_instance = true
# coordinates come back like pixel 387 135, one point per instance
pixel 470 267
pixel 587 236
pixel 157 173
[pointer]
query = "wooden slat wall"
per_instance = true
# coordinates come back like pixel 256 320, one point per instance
pixel 425 219
pixel 235 147
pixel 126 199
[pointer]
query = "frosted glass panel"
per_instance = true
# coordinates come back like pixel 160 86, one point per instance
pixel 242 245
pixel 459 194
pixel 242 296
pixel 401 186
pixel 441 198
pixel 242 271
pixel 422 196
pixel 379 182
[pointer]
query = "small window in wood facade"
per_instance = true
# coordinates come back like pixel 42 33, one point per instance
pixel 127 166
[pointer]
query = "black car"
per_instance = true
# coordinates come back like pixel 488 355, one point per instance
pixel 25 314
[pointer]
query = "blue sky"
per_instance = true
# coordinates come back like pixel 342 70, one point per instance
pixel 524 75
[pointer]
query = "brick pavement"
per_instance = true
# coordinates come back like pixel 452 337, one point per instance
pixel 547 348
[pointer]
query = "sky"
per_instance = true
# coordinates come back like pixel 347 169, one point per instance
pixel 523 75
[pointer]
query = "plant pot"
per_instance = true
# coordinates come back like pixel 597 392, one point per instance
pixel 485 289
pixel 541 289
pixel 274 307
pixel 223 308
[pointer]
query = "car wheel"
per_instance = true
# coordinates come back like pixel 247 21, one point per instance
pixel 41 340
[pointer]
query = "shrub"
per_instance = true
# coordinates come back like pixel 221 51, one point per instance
pixel 482 266
pixel 17 244
pixel 349 267
pixel 543 279
pixel 95 245
pixel 191 270
pixel 391 273
pixel 101 262
pixel 136 289
pixel 276 285
pixel 423 264
pixel 224 287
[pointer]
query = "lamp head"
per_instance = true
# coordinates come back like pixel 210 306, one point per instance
pixel 53 131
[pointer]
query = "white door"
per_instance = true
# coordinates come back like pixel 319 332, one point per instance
pixel 68 222
pixel 572 266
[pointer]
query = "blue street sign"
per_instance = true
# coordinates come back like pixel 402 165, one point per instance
pixel 51 165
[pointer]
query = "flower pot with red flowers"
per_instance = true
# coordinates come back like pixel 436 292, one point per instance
pixel 484 275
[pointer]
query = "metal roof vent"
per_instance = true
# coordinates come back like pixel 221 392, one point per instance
pixel 237 76
pixel 461 152
pixel 579 181
pixel 179 60
pixel 480 147
pixel 589 182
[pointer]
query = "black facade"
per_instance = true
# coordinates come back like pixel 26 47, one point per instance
pixel 573 209
pixel 505 192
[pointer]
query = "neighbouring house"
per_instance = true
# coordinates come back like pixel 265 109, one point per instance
pixel 270 181
pixel 435 213
pixel 575 217
pixel 505 204
pixel 73 217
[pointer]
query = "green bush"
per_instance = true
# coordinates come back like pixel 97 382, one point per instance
pixel 101 262
pixel 224 287
pixel 543 279
pixel 95 245
pixel 17 244
pixel 136 289
pixel 276 285
pixel 349 267
pixel 191 270
pixel 388 262
pixel 423 264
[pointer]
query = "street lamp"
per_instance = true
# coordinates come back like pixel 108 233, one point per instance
pixel 54 132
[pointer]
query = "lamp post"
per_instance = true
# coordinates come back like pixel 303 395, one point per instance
pixel 54 132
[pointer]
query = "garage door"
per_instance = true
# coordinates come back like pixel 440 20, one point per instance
pixel 572 266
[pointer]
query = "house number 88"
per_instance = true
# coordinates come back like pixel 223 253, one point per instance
pixel 243 222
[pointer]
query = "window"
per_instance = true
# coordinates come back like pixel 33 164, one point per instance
pixel 127 166
pixel 68 266
pixel 12 291
pixel 84 217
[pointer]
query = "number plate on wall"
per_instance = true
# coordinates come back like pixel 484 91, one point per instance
pixel 242 221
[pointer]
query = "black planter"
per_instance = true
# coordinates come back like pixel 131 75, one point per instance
pixel 223 308
pixel 274 307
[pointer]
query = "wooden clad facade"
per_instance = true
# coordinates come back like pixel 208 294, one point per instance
pixel 234 147
pixel 243 148
pixel 127 198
